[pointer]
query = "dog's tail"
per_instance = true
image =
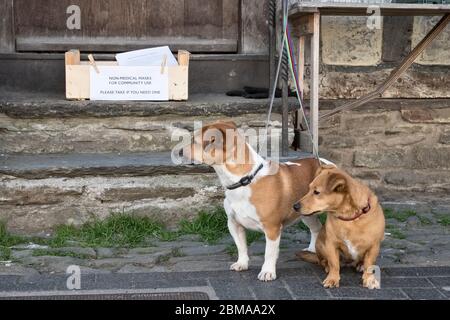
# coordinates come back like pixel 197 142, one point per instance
pixel 308 256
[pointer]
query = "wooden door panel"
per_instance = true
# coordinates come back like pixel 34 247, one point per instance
pixel 118 25
pixel 203 17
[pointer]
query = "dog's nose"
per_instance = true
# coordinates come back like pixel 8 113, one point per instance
pixel 297 206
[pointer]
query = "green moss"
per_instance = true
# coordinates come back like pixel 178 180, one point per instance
pixel 5 253
pixel 424 221
pixel 118 230
pixel 444 220
pixel 401 216
pixel 57 253
pixel 210 226
pixel 7 239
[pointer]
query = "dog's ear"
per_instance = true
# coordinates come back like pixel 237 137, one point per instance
pixel 358 192
pixel 318 171
pixel 324 167
pixel 337 183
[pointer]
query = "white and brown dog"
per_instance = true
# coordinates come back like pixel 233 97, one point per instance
pixel 259 194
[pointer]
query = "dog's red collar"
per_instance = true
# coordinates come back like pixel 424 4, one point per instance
pixel 364 210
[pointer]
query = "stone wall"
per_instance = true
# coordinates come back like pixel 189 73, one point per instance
pixel 356 59
pixel 403 152
pixel 37 206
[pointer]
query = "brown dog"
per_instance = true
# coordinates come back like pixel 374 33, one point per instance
pixel 354 228
pixel 259 193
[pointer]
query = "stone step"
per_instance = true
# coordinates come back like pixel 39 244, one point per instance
pixel 71 165
pixel 42 123
pixel 39 192
pixel 41 166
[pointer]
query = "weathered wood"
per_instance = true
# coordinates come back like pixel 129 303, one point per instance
pixel 115 44
pixel 204 18
pixel 285 119
pixel 72 57
pixel 205 25
pixel 301 78
pixel 304 25
pixel 301 63
pixel 254 29
pixel 360 9
pixel 6 27
pixel 78 77
pixel 314 83
pixel 230 17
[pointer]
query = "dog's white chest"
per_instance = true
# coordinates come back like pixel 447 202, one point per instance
pixel 351 249
pixel 244 210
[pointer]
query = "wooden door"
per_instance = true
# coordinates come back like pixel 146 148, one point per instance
pixel 120 25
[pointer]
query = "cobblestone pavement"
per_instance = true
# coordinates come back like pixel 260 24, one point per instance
pixel 415 264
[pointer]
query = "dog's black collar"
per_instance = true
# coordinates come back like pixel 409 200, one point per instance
pixel 245 181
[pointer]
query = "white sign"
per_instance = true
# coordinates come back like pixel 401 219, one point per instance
pixel 147 57
pixel 129 83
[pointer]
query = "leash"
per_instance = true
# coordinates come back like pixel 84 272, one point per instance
pixel 286 42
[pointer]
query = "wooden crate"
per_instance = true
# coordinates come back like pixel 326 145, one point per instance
pixel 78 76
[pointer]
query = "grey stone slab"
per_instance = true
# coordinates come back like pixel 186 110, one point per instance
pixel 155 284
pixel 71 165
pixel 273 290
pixel 231 290
pixel 202 250
pixel 20 254
pixel 364 293
pixel 105 253
pixel 221 274
pixel 424 294
pixel 8 282
pixel 301 271
pixel 306 287
pixel 417 271
pixel 440 281
pixel 400 282
pixel 164 280
pixel 113 281
pixel 349 279
pixel 445 291
pixel 42 282
pixel 19 105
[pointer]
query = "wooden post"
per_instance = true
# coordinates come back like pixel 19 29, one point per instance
pixel 301 63
pixel 72 57
pixel 7 37
pixel 285 114
pixel 301 74
pixel 314 84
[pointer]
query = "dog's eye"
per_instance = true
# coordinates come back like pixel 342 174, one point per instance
pixel 316 192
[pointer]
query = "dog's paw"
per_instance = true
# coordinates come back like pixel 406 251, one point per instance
pixel 331 282
pixel 371 282
pixel 266 275
pixel 360 267
pixel 239 266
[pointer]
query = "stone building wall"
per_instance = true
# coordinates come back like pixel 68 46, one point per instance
pixel 400 146
pixel 356 59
